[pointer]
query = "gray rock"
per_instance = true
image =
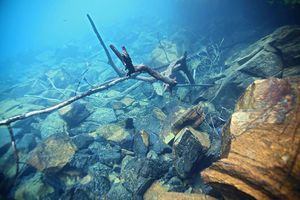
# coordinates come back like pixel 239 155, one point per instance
pixel 53 124
pixel 82 160
pixel 189 148
pixel 157 145
pixel 175 184
pixel 99 169
pixel 96 188
pixel 102 116
pixel 275 55
pixel 74 114
pixel 108 154
pixel 141 143
pixel 118 192
pixel 26 143
pixel 139 173
pixel 82 141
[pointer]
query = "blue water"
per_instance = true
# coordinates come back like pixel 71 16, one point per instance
pixel 49 53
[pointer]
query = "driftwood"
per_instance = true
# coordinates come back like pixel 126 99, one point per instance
pixel 110 61
pixel 166 76
pixel 94 90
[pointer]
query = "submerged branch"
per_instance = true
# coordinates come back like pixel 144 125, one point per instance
pixel 110 61
pixel 94 90
pixel 14 146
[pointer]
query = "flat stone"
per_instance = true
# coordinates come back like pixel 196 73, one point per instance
pixel 48 156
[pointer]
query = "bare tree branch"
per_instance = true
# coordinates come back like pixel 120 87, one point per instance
pixel 94 90
pixel 110 61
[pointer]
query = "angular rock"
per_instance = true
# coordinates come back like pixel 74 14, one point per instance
pixel 82 160
pixel 141 143
pixel 189 148
pixel 90 187
pixel 33 188
pixel 52 124
pixel 26 143
pixel 139 173
pixel 272 56
pixel 107 154
pixel 74 114
pixel 260 145
pixel 159 192
pixel 82 141
pixel 115 133
pixel 194 116
pixel 118 192
pixel 102 116
pixel 52 154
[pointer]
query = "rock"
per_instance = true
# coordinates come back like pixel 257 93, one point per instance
pixel 52 124
pixel 26 143
pixel 189 148
pixel 107 154
pixel 48 156
pixel 141 143
pixel 260 144
pixel 99 169
pixel 159 114
pixel 191 117
pixel 74 114
pixel 139 173
pixel 175 184
pixel 59 78
pixel 275 55
pixel 165 48
pixel 82 141
pixel 82 160
pixel 159 192
pixel 90 187
pixel 158 146
pixel 118 192
pixel 102 116
pixel 128 101
pixel 5 138
pixel 33 188
pixel 115 133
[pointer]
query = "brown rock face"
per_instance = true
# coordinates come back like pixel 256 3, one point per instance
pixel 261 144
pixel 158 192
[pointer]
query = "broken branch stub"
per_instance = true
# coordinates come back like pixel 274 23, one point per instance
pixel 127 62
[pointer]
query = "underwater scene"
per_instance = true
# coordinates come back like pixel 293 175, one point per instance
pixel 149 99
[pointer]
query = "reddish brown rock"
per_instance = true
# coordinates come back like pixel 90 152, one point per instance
pixel 261 144
pixel 159 192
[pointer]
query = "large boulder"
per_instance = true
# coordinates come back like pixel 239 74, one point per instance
pixel 52 154
pixel 189 148
pixel 260 144
pixel 276 55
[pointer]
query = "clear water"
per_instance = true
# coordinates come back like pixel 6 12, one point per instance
pixel 49 53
